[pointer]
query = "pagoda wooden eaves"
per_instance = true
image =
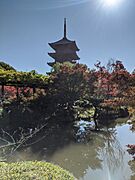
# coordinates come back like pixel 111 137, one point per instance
pixel 64 42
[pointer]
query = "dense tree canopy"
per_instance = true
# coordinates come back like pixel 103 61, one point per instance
pixel 10 77
pixel 5 66
pixel 74 91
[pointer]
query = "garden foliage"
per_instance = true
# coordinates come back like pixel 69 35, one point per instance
pixel 30 170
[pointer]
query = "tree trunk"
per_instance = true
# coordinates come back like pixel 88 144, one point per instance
pixel 95 118
pixel 34 90
pixel 2 90
pixel 17 93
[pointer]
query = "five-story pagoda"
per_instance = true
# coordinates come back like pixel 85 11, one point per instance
pixel 65 50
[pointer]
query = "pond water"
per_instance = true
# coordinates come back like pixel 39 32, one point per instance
pixel 88 155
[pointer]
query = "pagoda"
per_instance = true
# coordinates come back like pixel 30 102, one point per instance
pixel 65 50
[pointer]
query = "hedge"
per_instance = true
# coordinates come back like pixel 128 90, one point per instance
pixel 29 170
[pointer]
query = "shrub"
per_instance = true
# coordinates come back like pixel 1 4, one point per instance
pixel 29 170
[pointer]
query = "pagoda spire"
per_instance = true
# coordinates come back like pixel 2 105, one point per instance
pixel 65 29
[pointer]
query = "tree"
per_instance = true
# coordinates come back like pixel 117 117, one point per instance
pixel 5 66
pixel 70 84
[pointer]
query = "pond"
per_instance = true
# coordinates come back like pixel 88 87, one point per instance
pixel 88 155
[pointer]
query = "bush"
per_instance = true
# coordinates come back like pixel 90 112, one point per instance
pixel 30 170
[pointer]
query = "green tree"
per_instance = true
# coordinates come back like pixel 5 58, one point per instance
pixel 71 83
pixel 6 66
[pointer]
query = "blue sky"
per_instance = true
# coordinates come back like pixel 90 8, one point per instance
pixel 101 32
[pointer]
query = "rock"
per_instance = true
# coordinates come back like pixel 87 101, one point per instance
pixel 129 121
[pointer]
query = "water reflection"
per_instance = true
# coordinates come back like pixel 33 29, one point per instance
pixel 112 152
pixel 87 154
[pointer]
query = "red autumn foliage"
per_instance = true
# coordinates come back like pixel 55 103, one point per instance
pixel 131 149
pixel 11 91
pixel 116 86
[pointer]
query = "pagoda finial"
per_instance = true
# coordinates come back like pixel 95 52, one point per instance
pixel 65 28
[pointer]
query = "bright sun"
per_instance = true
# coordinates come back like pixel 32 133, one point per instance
pixel 111 3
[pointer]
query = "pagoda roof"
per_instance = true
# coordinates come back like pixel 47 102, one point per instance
pixel 64 57
pixel 52 63
pixel 62 42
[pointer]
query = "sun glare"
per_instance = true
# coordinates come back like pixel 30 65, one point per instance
pixel 111 3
